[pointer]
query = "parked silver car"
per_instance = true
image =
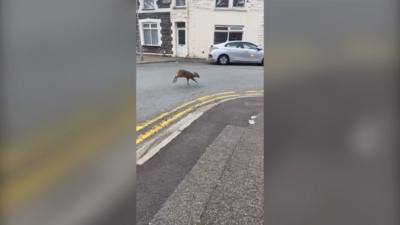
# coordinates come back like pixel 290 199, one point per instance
pixel 236 52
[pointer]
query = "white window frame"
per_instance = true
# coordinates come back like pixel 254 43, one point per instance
pixel 230 5
pixel 156 8
pixel 158 22
pixel 229 30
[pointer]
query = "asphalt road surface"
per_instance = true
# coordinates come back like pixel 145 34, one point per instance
pixel 156 92
pixel 159 176
pixel 329 155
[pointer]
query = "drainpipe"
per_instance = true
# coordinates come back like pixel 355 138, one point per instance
pixel 187 27
pixel 140 42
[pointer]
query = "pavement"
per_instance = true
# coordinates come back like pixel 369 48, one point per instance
pixel 157 59
pixel 225 186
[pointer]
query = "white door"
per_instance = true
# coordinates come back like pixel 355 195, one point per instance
pixel 181 50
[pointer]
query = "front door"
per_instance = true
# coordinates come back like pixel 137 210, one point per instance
pixel 181 50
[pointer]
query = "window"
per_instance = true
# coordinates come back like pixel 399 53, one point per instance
pixel 222 3
pixel 180 3
pixel 249 46
pixel 220 37
pixel 148 4
pixel 230 3
pixel 181 37
pixel 238 3
pixel 235 36
pixel 180 29
pixel 180 24
pixel 234 45
pixel 227 33
pixel 150 34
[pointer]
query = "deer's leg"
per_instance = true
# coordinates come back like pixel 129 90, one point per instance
pixel 194 80
pixel 187 79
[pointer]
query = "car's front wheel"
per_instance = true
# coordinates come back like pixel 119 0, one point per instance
pixel 223 60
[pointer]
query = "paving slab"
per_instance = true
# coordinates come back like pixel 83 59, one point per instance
pixel 238 198
pixel 186 204
pixel 225 186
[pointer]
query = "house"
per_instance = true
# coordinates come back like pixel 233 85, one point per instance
pixel 187 28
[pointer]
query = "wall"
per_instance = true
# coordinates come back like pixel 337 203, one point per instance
pixel 203 17
pixel 166 26
pixel 162 12
pixel 179 15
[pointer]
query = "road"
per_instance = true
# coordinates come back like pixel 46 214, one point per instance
pixel 156 92
pixel 158 178
pixel 328 151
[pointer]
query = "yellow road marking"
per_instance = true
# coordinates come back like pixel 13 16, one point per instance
pixel 176 116
pixel 144 124
pixel 164 123
pixel 16 190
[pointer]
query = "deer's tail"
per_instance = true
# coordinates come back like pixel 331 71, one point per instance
pixel 175 79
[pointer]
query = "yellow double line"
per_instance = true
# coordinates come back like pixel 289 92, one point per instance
pixel 169 117
pixel 146 123
pixel 65 151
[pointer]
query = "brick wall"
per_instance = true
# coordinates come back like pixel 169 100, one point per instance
pixel 166 32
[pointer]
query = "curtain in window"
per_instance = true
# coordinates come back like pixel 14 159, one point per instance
pixel 147 37
pixel 150 34
pixel 154 37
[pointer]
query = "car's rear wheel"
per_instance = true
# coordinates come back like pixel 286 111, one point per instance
pixel 223 60
pixel 262 62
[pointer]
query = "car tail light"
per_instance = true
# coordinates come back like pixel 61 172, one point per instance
pixel 212 47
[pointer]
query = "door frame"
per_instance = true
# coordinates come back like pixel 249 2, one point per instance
pixel 184 47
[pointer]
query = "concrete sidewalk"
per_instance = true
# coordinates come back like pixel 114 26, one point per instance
pixel 157 59
pixel 226 186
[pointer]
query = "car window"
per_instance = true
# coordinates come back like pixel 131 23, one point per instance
pixel 249 46
pixel 234 45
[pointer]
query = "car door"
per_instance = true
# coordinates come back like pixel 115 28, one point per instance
pixel 253 54
pixel 235 51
